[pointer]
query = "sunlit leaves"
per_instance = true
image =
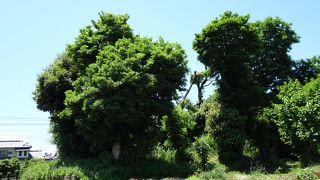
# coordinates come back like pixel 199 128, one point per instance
pixel 110 86
pixel 298 114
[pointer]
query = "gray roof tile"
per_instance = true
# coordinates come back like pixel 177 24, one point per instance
pixel 14 144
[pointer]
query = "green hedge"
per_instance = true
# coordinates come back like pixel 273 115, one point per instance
pixel 9 167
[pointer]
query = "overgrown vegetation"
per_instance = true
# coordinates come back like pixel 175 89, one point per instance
pixel 259 173
pixel 110 89
pixel 298 117
pixel 115 112
pixel 9 168
pixel 158 165
pixel 40 169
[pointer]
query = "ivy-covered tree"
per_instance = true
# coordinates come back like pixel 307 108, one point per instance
pixel 248 60
pixel 225 45
pixel 110 89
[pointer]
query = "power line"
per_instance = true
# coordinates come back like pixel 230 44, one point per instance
pixel 22 124
pixel 14 117
pixel 23 121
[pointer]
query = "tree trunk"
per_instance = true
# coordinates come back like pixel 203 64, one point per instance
pixel 116 150
pixel 200 94
pixel 191 84
pixel 224 78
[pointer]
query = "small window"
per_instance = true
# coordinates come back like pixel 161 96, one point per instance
pixel 10 153
pixel 20 153
pixel 25 153
pixel 4 153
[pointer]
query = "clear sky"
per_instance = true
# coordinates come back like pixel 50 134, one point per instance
pixel 33 32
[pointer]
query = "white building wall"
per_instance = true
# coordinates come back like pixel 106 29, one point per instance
pixel 22 153
pixel 19 153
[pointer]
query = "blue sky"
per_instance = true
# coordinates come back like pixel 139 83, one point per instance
pixel 33 32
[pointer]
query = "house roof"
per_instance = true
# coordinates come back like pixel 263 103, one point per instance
pixel 36 154
pixel 14 144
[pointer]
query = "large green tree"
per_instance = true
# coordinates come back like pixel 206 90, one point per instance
pixel 110 89
pixel 248 60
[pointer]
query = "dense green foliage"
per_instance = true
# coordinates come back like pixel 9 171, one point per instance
pixel 178 128
pixel 249 60
pixel 97 169
pixel 113 90
pixel 298 116
pixel 306 174
pixel 304 70
pixel 9 168
pixel 104 168
pixel 40 169
pixel 110 87
pixel 202 148
pixel 54 81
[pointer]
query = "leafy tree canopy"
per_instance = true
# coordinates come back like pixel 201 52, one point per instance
pixel 234 49
pixel 304 70
pixel 110 87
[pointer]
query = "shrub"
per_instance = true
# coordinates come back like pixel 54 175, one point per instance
pixel 177 128
pixel 43 170
pixel 298 117
pixel 218 172
pixel 250 149
pixel 201 149
pixel 9 167
pixel 167 154
pixel 306 174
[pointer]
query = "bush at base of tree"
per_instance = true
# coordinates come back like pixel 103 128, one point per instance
pixel 201 149
pixel 177 129
pixel 298 117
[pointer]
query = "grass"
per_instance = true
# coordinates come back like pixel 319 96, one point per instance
pixel 96 169
pixel 40 169
pixel 252 168
pixel 156 169
pixel 162 163
pixel 221 173
pixel 149 168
